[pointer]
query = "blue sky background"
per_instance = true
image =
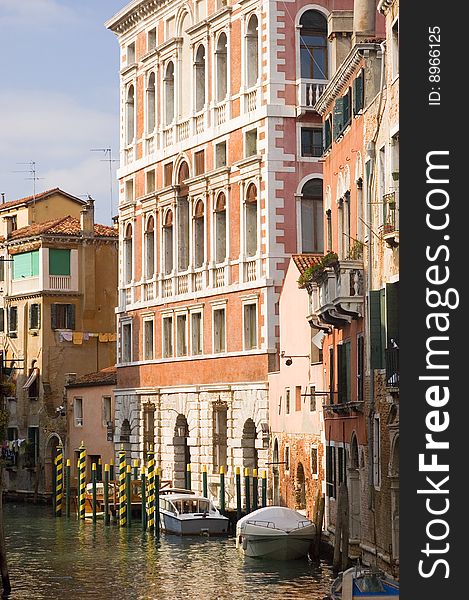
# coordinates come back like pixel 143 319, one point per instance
pixel 59 97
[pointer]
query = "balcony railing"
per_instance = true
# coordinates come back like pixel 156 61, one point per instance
pixel 220 114
pixel 392 367
pixel 150 145
pixel 148 292
pixel 199 124
pixel 183 284
pixel 183 130
pixel 340 295
pixel 60 282
pixel 219 277
pixel 167 287
pixel 390 228
pixel 250 270
pixel 250 101
pixel 309 91
pixel 167 136
pixel 129 155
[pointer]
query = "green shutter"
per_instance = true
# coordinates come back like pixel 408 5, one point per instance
pixel 59 261
pixel 70 316
pixel 358 90
pixel 376 342
pixel 338 118
pixel 26 264
pixel 348 375
pixel 392 312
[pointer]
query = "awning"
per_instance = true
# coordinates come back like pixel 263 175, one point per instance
pixel 31 379
pixel 318 338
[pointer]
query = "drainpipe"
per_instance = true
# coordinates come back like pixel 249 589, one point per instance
pixel 371 151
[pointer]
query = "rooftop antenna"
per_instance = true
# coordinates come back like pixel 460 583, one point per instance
pixel 107 158
pixel 34 177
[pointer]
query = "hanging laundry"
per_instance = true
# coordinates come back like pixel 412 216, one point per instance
pixel 65 336
pixel 78 337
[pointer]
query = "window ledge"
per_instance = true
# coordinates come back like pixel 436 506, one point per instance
pixel 244 162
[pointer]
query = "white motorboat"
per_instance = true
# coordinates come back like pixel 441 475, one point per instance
pixel 275 532
pixel 184 513
pixel 360 582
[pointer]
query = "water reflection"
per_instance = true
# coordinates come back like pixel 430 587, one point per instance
pixel 55 558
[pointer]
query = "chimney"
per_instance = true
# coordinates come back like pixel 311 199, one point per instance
pixel 87 218
pixel 10 223
pixel 364 20
pixel 70 378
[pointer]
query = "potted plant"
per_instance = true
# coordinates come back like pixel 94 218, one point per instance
pixel 317 272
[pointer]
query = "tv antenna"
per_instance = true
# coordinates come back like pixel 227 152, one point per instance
pixel 107 158
pixel 32 171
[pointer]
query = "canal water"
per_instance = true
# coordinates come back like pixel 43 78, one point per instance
pixel 53 558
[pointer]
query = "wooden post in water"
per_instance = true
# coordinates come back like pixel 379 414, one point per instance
pixel 94 477
pixel 122 497
pixel 106 495
pixel 81 482
pixel 3 554
pixel 135 469
pixel 345 527
pixel 264 488
pixel 67 488
pixel 143 487
pixel 222 490
pixel 111 470
pixel 255 490
pixel 341 530
pixel 59 484
pixel 188 477
pixel 247 491
pixel 128 493
pixel 318 519
pixel 157 502
pixel 238 494
pixel 151 490
pixel 204 481
pixel 100 469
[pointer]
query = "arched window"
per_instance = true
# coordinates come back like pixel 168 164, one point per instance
pixel 220 228
pixel 251 220
pixel 312 229
pixel 252 51
pixel 151 106
pixel 344 225
pixel 128 254
pixel 168 242
pixel 199 246
pixel 183 218
pixel 184 75
pixel 130 116
pixel 169 93
pixel 221 67
pixel 313 45
pixel 150 248
pixel 200 78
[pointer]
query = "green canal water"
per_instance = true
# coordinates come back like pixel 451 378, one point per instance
pixel 53 558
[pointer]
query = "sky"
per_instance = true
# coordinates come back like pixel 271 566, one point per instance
pixel 59 99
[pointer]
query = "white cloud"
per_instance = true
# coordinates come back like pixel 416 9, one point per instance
pixel 57 132
pixel 35 12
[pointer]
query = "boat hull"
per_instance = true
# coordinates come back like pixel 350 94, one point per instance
pixel 281 547
pixel 193 525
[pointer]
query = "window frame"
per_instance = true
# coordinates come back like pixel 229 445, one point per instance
pixel 103 408
pixel 78 421
pixel 146 320
pixel 216 309
pixel 317 130
pixel 250 303
pixel 164 343
pixel 192 313
pixel 180 315
pixel 124 324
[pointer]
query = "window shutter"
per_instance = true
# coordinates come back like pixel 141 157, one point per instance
pixel 347 372
pixel 338 117
pixel 360 368
pixel 2 319
pixel 53 316
pixel 342 368
pixel 31 316
pixel 70 316
pixel 2 269
pixel 358 96
pixel 376 342
pixel 392 312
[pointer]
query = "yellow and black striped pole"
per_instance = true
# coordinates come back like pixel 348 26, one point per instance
pixel 100 469
pixel 136 469
pixel 81 481
pixel 128 493
pixel 204 481
pixel 188 477
pixel 157 501
pixel 67 487
pixel 59 481
pixel 151 490
pixel 122 486
pixel 264 488
pixel 255 490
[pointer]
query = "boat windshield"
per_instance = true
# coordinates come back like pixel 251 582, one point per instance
pixel 191 506
pixel 370 583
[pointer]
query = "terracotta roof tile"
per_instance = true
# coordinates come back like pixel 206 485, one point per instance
pixel 63 226
pixel 106 376
pixel 304 261
pixel 41 196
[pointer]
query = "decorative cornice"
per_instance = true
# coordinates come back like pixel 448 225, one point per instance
pixel 342 76
pixel 132 14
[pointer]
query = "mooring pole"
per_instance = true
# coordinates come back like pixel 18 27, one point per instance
pixel 144 499
pixel 247 491
pixel 82 482
pixel 94 477
pixel 106 495
pixel 111 470
pixel 264 488
pixel 151 490
pixel 255 490
pixel 67 488
pixel 128 492
pixel 238 494
pixel 100 469
pixel 135 469
pixel 59 465
pixel 222 490
pixel 204 481
pixel 157 502
pixel 188 477
pixel 122 497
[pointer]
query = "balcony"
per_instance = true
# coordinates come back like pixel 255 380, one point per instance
pixel 309 92
pixel 250 101
pixel 392 368
pixel 340 295
pixel 390 228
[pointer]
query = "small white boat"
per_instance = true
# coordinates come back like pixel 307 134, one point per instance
pixel 184 513
pixel 361 582
pixel 275 532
